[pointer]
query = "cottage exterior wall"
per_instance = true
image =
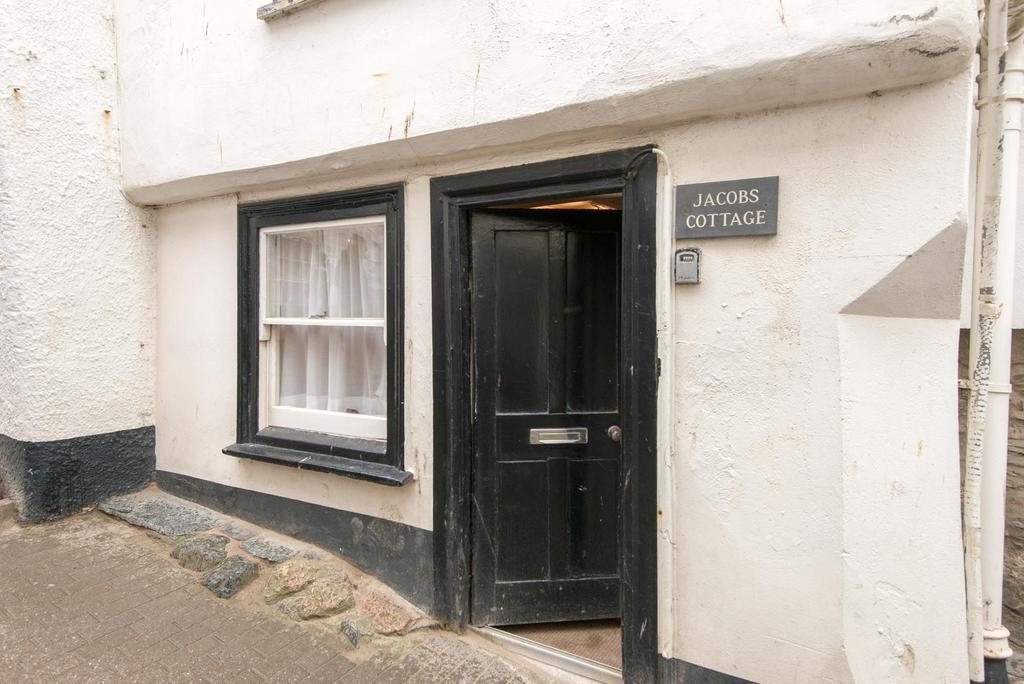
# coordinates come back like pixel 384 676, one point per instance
pixel 76 334
pixel 808 495
pixel 214 100
pixel 783 468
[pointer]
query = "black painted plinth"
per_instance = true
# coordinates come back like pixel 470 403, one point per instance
pixel 673 671
pixel 995 671
pixel 399 555
pixel 57 478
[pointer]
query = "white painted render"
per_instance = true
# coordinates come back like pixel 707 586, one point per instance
pixel 77 307
pixel 893 565
pixel 765 334
pixel 215 101
pixel 197 363
pixel 809 527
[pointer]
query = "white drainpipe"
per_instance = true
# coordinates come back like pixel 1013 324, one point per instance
pixel 1000 94
pixel 993 501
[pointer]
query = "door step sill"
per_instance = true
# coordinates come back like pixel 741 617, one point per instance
pixel 563 660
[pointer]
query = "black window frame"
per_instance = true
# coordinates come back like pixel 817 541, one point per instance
pixel 363 459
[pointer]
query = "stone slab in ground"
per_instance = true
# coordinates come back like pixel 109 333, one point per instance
pixel 169 517
pixel 388 617
pixel 230 576
pixel 268 550
pixel 329 594
pixel 201 552
pixel 289 578
pixel 238 532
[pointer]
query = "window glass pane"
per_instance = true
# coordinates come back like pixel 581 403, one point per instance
pixel 327 273
pixel 333 369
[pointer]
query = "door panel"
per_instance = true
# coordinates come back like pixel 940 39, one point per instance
pixel 593 353
pixel 545 353
pixel 522 484
pixel 520 262
pixel 592 496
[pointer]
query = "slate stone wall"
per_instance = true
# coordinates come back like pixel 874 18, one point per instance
pixel 56 478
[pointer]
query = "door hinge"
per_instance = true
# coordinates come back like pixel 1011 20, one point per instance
pixel 657 367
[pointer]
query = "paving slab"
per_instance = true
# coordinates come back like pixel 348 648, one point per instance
pixel 169 517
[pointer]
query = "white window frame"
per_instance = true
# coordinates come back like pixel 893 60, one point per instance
pixel 272 414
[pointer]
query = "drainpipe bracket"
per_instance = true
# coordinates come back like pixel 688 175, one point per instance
pixel 991 100
pixel 993 387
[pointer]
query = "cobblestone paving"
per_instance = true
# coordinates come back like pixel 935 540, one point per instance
pixel 89 599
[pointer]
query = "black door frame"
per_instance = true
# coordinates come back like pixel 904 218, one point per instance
pixel 633 172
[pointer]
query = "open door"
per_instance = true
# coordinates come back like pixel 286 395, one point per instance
pixel 507 530
pixel 545 471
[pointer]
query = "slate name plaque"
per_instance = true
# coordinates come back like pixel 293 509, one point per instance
pixel 728 208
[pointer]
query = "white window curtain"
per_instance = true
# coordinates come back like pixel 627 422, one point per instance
pixel 334 273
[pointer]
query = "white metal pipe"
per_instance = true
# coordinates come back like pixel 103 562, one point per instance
pixel 986 309
pixel 993 479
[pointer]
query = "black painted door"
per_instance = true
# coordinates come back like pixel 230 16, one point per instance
pixel 546 366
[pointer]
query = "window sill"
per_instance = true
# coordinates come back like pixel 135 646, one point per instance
pixel 308 460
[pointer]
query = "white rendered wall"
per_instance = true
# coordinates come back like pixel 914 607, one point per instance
pixel 197 248
pixel 761 486
pixel 898 591
pixel 77 307
pixel 217 101
pixel 794 545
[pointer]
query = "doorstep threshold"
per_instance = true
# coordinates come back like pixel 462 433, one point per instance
pixel 563 660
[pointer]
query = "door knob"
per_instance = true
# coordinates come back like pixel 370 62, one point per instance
pixel 615 433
